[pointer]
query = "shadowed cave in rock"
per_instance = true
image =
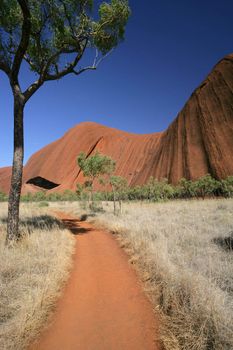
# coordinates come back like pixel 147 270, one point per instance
pixel 43 183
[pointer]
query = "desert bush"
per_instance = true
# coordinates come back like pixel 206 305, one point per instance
pixel 28 197
pixel 54 197
pixel 154 191
pixel 3 197
pixel 43 204
pixel 68 195
pixel 206 186
pixel 186 189
pixel 227 187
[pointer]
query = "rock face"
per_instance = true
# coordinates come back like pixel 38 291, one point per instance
pixel 5 174
pixel 199 141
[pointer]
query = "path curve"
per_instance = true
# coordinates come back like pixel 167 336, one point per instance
pixel 103 306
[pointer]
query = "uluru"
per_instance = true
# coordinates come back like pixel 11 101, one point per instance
pixel 199 141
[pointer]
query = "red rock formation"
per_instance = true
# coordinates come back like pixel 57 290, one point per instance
pixel 199 141
pixel 5 174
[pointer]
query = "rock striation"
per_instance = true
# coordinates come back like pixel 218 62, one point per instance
pixel 199 141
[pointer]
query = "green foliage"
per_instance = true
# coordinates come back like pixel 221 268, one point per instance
pixel 34 197
pixel 82 191
pixel 27 198
pixel 119 188
pixel 119 185
pixel 79 190
pixel 227 187
pixel 43 204
pixel 186 189
pixel 206 186
pixel 96 165
pixel 68 195
pixel 93 168
pixel 39 196
pixel 111 26
pixel 154 190
pixel 3 197
pixel 54 197
pixel 60 27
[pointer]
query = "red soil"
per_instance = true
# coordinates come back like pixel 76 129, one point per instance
pixel 103 306
pixel 199 141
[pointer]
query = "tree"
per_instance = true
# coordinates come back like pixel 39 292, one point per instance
pixel 51 37
pixel 119 185
pixel 94 167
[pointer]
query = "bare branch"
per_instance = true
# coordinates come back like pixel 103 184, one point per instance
pixel 103 58
pixel 95 65
pixel 26 29
pixel 82 70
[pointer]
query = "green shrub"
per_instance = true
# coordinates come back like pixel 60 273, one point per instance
pixel 3 197
pixel 43 204
pixel 227 187
pixel 206 186
pixel 185 189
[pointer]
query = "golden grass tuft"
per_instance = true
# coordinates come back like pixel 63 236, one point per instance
pixel 32 274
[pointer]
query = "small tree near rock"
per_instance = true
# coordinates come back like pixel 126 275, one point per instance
pixel 95 167
pixel 119 185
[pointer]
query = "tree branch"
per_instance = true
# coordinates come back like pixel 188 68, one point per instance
pixel 95 65
pixel 26 29
pixel 32 89
pixel 5 68
pixel 44 76
pixel 70 69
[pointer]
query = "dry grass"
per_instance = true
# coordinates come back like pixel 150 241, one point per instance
pixel 181 252
pixel 31 275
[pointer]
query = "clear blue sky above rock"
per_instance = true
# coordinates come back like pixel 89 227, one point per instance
pixel 169 49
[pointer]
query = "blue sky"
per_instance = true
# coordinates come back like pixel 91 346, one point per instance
pixel 169 49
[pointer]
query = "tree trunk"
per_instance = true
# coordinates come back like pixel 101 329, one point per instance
pixel 13 233
pixel 92 198
pixel 120 205
pixel 114 200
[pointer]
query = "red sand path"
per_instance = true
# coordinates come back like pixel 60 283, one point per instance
pixel 103 306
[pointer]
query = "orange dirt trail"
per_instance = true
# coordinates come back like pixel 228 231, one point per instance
pixel 103 306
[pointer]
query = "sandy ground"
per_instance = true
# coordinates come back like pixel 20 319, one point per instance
pixel 103 306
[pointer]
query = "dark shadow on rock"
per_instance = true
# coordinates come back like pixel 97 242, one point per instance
pixel 225 243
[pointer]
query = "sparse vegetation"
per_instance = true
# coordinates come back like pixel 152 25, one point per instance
pixel 184 254
pixel 96 167
pixel 119 186
pixel 3 197
pixel 32 274
pixel 152 191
